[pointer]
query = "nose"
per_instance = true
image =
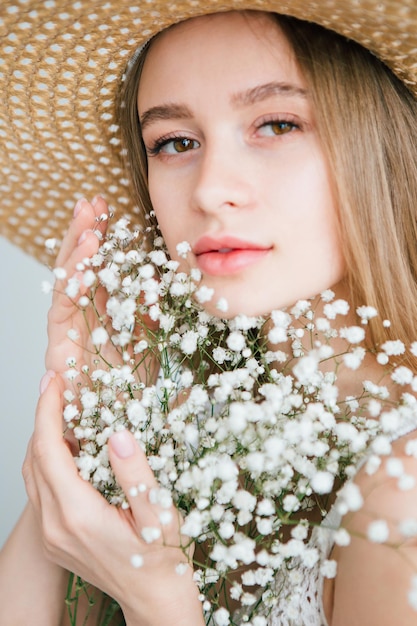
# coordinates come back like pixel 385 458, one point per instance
pixel 223 178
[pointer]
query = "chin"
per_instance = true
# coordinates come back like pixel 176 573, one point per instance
pixel 250 309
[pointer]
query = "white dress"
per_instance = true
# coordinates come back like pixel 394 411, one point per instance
pixel 301 599
pixel 300 592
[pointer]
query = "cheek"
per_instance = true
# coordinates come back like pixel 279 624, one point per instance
pixel 169 198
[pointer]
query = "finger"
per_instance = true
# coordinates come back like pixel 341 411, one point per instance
pixel 86 247
pixel 51 462
pixel 28 477
pixel 86 217
pixel 150 506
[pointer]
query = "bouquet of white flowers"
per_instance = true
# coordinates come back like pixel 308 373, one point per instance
pixel 244 424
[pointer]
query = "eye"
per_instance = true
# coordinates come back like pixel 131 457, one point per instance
pixel 277 127
pixel 172 145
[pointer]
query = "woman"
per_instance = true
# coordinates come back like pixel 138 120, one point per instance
pixel 263 165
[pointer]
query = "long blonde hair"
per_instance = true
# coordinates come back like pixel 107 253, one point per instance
pixel 367 121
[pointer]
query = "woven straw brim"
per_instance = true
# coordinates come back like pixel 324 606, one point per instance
pixel 61 65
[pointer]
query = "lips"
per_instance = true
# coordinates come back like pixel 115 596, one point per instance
pixel 227 255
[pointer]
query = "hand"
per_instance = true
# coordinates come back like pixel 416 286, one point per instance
pixel 80 242
pixel 86 535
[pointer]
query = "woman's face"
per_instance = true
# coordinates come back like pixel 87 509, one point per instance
pixel 235 164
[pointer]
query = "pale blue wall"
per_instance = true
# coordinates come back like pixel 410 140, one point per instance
pixel 23 309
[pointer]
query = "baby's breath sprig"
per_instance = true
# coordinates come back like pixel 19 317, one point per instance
pixel 243 420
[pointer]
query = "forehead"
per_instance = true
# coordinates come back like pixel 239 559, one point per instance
pixel 241 46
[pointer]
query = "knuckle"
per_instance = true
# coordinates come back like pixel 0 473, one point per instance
pixel 52 536
pixel 27 472
pixel 39 450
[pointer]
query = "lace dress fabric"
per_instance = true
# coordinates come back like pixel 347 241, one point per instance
pixel 299 589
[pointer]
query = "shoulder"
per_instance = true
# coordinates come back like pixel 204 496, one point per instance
pixel 375 571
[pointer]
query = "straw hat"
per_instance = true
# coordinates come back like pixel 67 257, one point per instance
pixel 61 65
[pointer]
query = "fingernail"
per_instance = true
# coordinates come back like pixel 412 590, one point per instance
pixel 95 200
pixel 45 380
pixel 122 444
pixel 83 235
pixel 79 206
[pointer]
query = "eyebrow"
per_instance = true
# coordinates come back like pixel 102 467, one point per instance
pixel 164 112
pixel 239 100
pixel 263 92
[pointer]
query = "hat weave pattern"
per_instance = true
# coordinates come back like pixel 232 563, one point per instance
pixel 61 68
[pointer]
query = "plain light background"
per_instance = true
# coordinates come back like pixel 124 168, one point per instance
pixel 23 310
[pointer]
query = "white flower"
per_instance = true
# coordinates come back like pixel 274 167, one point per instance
pixel 306 369
pixel 243 549
pixel 411 448
pixel 158 257
pixel 366 312
pixel 109 279
pixel 350 498
pixel 341 537
pixel 406 482
pixel 89 400
pixel 181 568
pixel 183 249
pixel 146 271
pixel 222 305
pixel 382 358
pixel 136 560
pixel 354 359
pixel 277 335
pixel 186 378
pixel 221 617
pixel 393 348
pixel 352 334
pixel 372 464
pixel 244 501
pixel 46 287
pixel 193 524
pixel 219 355
pixel 300 308
pixel 310 557
pixel 236 341
pixel 281 319
pixel 327 295
pixel 412 594
pixel 136 412
pixel 73 287
pixel 150 534
pixel 322 482
pixel 291 503
pixel 189 342
pixel 402 375
pixel 265 526
pixel 226 530
pixel 378 531
pixel 381 445
pixel 141 346
pixel 99 336
pixel 394 467
pixel 338 307
pixel 89 278
pixel 50 243
pixel 204 294
pixel 408 527
pixel 328 569
pixel 265 507
pixel 60 273
pixel 70 412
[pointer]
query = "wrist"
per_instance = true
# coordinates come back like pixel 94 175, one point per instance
pixel 177 604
